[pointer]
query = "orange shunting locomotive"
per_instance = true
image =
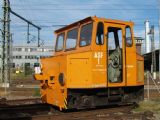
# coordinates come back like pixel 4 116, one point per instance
pixel 95 64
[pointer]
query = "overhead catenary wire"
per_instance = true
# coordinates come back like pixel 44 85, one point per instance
pixel 30 10
pixel 112 9
pixel 70 4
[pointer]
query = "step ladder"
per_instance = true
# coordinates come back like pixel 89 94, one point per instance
pixel 115 95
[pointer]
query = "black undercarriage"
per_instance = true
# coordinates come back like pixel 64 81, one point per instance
pixel 90 98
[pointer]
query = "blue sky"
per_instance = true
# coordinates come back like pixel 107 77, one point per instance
pixel 48 13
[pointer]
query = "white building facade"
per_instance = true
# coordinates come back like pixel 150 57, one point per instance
pixel 21 55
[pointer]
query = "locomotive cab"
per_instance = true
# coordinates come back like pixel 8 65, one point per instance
pixel 95 64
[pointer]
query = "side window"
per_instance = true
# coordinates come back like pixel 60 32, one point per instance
pixel 111 41
pixel 86 35
pixel 100 35
pixel 128 37
pixel 71 38
pixel 60 40
pixel 119 32
pixel 114 38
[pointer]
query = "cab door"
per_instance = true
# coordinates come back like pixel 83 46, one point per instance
pixel 115 55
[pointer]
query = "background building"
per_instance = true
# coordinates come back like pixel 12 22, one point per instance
pixel 28 55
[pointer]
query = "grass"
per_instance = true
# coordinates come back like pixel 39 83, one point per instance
pixel 20 76
pixel 149 105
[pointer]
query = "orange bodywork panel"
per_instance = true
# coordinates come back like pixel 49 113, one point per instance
pixel 52 91
pixel 77 76
pixel 140 70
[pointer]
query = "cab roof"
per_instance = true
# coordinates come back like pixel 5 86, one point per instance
pixel 89 19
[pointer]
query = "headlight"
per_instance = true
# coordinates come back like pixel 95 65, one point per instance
pixel 37 69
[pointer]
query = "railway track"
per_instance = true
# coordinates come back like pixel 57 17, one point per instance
pixel 21 108
pixel 44 112
pixel 5 102
pixel 33 109
pixel 10 112
pixel 109 113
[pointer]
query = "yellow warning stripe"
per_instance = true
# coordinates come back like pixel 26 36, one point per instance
pixel 65 103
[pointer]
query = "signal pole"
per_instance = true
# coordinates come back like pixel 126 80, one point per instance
pixel 5 72
pixel 159 33
pixel 6 40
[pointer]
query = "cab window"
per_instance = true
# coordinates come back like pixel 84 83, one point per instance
pixel 86 35
pixel 128 37
pixel 60 41
pixel 100 35
pixel 71 38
